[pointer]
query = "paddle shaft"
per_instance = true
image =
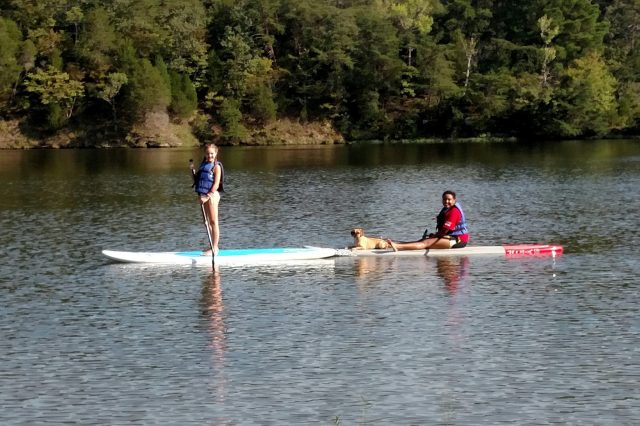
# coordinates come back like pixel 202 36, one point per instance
pixel 204 216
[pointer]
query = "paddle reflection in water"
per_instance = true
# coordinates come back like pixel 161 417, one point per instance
pixel 213 311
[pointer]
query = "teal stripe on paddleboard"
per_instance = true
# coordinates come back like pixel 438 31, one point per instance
pixel 247 252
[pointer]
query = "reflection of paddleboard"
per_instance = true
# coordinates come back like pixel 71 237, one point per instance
pixel 224 257
pixel 520 250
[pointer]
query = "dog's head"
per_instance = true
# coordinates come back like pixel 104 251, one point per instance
pixel 357 232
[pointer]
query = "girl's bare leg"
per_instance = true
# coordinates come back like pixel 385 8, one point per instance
pixel 212 215
pixel 429 243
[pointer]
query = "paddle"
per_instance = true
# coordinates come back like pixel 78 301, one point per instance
pixel 204 215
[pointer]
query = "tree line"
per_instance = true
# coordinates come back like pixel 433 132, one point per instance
pixel 373 68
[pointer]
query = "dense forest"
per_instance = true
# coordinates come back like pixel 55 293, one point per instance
pixel 373 69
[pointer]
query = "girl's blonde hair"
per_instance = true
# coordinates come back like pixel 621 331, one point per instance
pixel 211 145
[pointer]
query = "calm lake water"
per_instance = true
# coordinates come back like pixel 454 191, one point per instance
pixel 420 341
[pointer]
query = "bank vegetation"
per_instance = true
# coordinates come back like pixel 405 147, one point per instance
pixel 183 72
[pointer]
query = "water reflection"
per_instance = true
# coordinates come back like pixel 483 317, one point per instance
pixel 453 271
pixel 213 311
pixel 582 156
pixel 483 340
pixel 366 268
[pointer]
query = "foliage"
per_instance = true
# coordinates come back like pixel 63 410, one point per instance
pixel 56 91
pixel 263 107
pixel 10 40
pixel 148 89
pixel 184 100
pixel 108 90
pixel 590 95
pixel 98 42
pixel 374 68
pixel 231 119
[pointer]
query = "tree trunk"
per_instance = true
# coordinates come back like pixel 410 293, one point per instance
pixel 470 52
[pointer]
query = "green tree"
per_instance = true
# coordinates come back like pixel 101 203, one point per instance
pixel 413 17
pixel 184 100
pixel 139 22
pixel 184 23
pixel 628 106
pixel 464 27
pixel 377 72
pixel 623 47
pixel 260 79
pixel 55 88
pixel 55 116
pixel 32 14
pixel 491 99
pixel 547 32
pixel 147 90
pixel 75 17
pixel 588 98
pixel 48 42
pixel 623 53
pixel 268 25
pixel 231 119
pixel 580 28
pixel 263 107
pixel 320 40
pixel 97 46
pixel 162 69
pixel 437 74
pixel 237 54
pixel 237 70
pixel 108 90
pixel 10 69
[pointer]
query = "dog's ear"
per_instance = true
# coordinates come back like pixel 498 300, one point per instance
pixel 353 232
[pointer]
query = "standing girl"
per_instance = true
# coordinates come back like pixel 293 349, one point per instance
pixel 209 185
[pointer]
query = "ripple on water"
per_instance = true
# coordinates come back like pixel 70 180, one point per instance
pixel 377 341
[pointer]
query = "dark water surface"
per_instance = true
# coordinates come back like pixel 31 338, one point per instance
pixel 479 340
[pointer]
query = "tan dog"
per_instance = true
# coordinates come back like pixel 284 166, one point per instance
pixel 360 242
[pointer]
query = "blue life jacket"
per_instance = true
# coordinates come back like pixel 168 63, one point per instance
pixel 206 176
pixel 461 228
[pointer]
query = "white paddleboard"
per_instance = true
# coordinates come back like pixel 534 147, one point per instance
pixel 224 257
pixel 256 256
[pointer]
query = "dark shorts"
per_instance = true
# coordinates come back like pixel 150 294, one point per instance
pixel 458 243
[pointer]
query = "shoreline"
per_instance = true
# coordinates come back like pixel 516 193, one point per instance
pixel 158 131
pixel 281 132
